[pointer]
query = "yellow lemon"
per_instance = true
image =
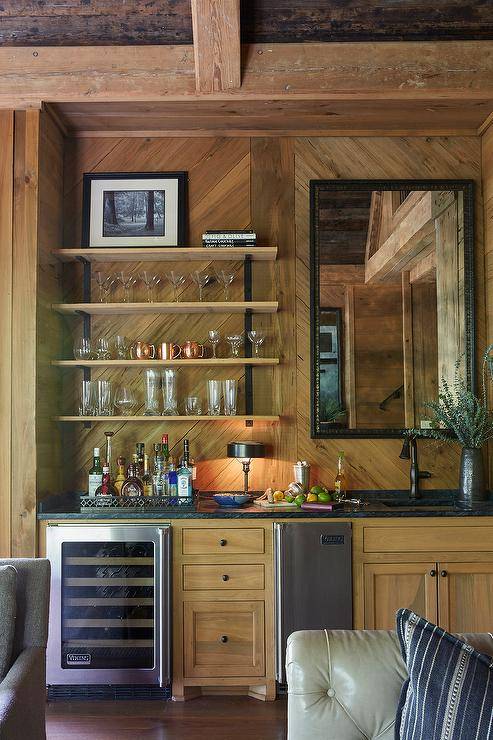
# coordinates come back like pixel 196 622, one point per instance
pixel 312 498
pixel 278 495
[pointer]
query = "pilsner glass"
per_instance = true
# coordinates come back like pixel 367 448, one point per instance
pixel 214 397
pixel 105 401
pixel 230 391
pixel 170 397
pixel 152 383
pixel 88 398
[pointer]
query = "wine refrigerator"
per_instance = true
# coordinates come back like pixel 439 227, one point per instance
pixel 110 604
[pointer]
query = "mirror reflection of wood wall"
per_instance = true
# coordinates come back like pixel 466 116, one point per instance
pixel 392 268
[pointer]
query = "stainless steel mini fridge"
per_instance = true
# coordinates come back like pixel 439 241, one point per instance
pixel 110 604
pixel 313 580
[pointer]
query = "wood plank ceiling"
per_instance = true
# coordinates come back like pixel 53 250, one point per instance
pixel 93 22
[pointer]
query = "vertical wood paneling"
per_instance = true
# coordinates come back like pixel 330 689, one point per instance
pixel 24 286
pixel 6 193
pixel 487 178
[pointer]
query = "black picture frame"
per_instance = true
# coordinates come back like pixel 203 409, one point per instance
pixel 182 205
pixel 318 429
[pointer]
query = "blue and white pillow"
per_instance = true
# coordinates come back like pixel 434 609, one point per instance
pixel 449 692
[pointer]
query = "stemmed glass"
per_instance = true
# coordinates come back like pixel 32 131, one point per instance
pixel 150 280
pixel 125 400
pixel 200 279
pixel 127 281
pixel 257 338
pixel 225 278
pixel 104 284
pixel 214 339
pixel 235 341
pixel 176 279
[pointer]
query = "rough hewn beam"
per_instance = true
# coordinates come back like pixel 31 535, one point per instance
pixel 388 71
pixel 216 43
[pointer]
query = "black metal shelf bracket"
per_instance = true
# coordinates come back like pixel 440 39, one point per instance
pixel 86 297
pixel 247 296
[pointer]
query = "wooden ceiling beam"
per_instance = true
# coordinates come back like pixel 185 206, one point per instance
pixel 437 72
pixel 216 44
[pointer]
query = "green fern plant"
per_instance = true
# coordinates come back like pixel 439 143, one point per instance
pixel 332 410
pixel 460 415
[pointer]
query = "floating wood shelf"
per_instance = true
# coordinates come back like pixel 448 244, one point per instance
pixel 208 362
pixel 165 419
pixel 109 309
pixel 165 254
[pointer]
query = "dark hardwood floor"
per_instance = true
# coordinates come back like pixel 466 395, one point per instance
pixel 207 718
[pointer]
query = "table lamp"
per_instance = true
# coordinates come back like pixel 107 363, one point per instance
pixel 244 452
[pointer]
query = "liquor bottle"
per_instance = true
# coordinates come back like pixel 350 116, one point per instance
pixel 184 473
pixel 171 479
pixel 147 487
pixel 165 449
pixel 340 479
pixel 120 476
pixel 140 451
pixel 133 483
pixel 158 472
pixel 108 436
pixel 95 473
pixel 106 488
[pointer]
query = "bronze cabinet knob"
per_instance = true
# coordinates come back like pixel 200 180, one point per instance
pixel 443 573
pixel 433 573
pixel 225 578
pixel 223 542
pixel 224 638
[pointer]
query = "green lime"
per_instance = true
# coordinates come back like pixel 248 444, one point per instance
pixel 324 497
pixel 289 498
pixel 316 489
pixel 300 499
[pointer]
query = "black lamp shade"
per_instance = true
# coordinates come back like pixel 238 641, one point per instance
pixel 246 450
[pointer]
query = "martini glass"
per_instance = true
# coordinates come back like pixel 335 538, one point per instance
pixel 176 279
pixel 257 338
pixel 225 278
pixel 150 280
pixel 200 279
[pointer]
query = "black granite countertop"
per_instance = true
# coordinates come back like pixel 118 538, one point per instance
pixel 381 504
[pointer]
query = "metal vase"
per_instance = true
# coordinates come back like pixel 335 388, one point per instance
pixel 471 478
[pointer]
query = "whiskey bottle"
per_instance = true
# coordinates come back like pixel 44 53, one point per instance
pixel 95 474
pixel 184 473
pixel 158 472
pixel 133 483
pixel 340 479
pixel 165 449
pixel 140 450
pixel 106 488
pixel 147 487
pixel 120 476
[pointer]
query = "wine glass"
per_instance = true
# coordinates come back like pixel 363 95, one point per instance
pixel 200 279
pixel 127 281
pixel 176 279
pixel 104 283
pixel 225 278
pixel 235 341
pixel 125 400
pixel 150 280
pixel 214 339
pixel 257 338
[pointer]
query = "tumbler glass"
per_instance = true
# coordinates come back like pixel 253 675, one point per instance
pixel 88 398
pixel 105 401
pixel 170 396
pixel 82 349
pixel 214 397
pixel 102 350
pixel 193 407
pixel 230 391
pixel 122 347
pixel 152 384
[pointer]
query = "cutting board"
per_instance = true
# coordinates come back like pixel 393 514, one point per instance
pixel 281 505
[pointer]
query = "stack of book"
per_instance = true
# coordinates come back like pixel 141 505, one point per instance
pixel 226 238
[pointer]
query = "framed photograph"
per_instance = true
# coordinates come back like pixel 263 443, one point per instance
pixel 134 209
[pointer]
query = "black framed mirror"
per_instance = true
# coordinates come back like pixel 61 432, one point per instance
pixel 392 301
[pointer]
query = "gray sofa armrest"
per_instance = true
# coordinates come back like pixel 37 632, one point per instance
pixel 23 697
pixel 343 684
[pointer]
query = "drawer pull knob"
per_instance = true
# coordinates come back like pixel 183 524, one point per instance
pixel 224 638
pixel 225 578
pixel 443 573
pixel 433 573
pixel 223 542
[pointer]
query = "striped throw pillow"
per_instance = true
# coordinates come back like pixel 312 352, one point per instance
pixel 449 692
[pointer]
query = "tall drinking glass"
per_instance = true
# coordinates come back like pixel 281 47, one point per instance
pixel 105 401
pixel 152 384
pixel 230 391
pixel 170 395
pixel 88 398
pixel 214 397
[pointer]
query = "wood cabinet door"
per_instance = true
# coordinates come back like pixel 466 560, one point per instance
pixel 392 586
pixel 465 596
pixel 224 638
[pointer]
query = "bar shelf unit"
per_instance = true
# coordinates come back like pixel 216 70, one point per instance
pixel 206 362
pixel 165 254
pixel 199 307
pixel 154 419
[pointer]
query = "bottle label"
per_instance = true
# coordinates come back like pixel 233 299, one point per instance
pixel 184 486
pixel 95 480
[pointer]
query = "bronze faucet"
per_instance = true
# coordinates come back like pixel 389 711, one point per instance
pixel 410 451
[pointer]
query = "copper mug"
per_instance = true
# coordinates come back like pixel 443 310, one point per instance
pixel 168 351
pixel 142 351
pixel 192 350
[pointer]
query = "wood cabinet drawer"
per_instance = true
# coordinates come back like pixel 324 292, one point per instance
pixel 224 639
pixel 428 539
pixel 223 541
pixel 223 577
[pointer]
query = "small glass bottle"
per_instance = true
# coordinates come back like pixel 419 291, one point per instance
pixel 120 476
pixel 184 474
pixel 106 488
pixel 340 479
pixel 140 451
pixel 171 479
pixel 133 484
pixel 95 473
pixel 147 487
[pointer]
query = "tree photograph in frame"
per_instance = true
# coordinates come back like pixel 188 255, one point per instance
pixel 134 209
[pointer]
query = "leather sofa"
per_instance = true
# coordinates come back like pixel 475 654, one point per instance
pixel 345 684
pixel 24 603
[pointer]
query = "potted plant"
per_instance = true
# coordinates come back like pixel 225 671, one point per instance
pixel 461 416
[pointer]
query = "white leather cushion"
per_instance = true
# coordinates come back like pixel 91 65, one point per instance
pixel 343 684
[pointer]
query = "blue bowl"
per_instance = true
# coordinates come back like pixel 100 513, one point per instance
pixel 231 499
